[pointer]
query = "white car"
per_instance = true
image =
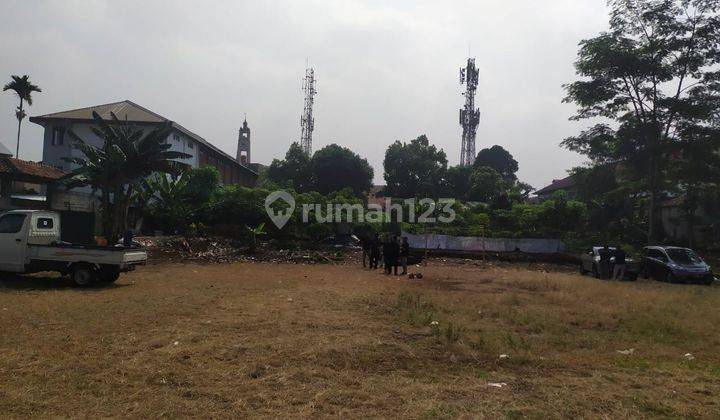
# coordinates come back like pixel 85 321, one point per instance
pixel 590 263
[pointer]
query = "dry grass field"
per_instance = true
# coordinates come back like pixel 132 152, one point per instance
pixel 176 340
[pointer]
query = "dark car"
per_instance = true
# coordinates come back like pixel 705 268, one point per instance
pixel 675 265
pixel 590 263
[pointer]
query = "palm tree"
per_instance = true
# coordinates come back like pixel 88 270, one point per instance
pixel 128 156
pixel 23 89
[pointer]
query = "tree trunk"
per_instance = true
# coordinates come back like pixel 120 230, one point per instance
pixel 655 229
pixel 690 209
pixel 106 214
pixel 20 117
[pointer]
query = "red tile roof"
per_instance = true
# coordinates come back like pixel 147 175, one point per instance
pixel 557 184
pixel 23 170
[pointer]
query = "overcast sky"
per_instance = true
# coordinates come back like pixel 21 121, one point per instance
pixel 386 70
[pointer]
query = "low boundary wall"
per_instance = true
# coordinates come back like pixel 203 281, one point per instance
pixel 479 244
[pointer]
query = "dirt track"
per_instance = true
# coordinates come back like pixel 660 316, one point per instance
pixel 277 340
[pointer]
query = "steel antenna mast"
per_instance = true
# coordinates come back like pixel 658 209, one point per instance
pixel 307 121
pixel 469 115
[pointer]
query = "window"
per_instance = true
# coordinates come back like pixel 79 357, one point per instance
pixel 58 136
pixel 11 223
pixel 190 144
pixel 44 223
pixel 176 137
pixel 684 256
pixel 657 254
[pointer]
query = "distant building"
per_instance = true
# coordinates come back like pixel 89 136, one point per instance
pixel 376 195
pixel 567 184
pixel 16 176
pixel 243 151
pixel 56 142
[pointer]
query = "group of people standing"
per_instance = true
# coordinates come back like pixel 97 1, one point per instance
pixel 618 269
pixel 391 249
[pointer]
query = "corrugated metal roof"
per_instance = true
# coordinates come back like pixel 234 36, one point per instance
pixel 124 110
pixel 131 112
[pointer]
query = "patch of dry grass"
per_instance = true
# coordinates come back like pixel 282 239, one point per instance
pixel 289 340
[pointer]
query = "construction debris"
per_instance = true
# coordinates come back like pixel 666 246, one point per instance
pixel 223 250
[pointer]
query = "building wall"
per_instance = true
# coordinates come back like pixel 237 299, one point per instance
pixel 53 154
pixel 229 173
pixel 201 155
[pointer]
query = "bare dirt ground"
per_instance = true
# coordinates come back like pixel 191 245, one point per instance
pixel 277 340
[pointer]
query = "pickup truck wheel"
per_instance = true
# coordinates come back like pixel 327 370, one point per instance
pixel 83 275
pixel 670 277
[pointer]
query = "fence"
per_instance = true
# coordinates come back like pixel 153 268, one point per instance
pixel 475 243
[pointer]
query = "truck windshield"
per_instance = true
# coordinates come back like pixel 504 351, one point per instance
pixel 11 223
pixel 684 256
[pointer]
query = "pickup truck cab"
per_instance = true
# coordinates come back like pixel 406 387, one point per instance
pixel 30 243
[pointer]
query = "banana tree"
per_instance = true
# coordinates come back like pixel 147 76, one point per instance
pixel 127 157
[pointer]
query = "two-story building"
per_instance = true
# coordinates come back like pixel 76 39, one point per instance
pixel 57 145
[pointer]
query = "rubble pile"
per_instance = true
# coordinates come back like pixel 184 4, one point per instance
pixel 162 249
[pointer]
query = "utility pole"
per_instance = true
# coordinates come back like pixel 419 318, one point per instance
pixel 469 115
pixel 307 122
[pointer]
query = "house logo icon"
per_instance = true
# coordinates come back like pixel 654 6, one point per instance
pixel 279 218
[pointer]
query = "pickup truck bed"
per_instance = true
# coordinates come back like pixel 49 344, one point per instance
pixel 118 256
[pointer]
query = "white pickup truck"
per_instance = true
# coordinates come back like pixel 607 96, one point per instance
pixel 30 243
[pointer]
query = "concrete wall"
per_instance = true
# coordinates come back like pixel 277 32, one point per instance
pixel 474 243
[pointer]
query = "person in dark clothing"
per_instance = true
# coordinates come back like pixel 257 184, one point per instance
pixel 404 254
pixel 604 265
pixel 391 249
pixel 620 264
pixel 374 249
pixel 365 244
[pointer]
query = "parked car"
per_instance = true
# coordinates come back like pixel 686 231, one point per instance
pixel 590 263
pixel 675 265
pixel 30 243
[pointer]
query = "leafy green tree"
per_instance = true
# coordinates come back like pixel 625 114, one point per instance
pixel 335 168
pixel 696 172
pixel 653 71
pixel 201 184
pixel 414 169
pixel 486 185
pixel 558 214
pixel 499 159
pixel 294 171
pixel 23 88
pixel 116 169
pixel 457 182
